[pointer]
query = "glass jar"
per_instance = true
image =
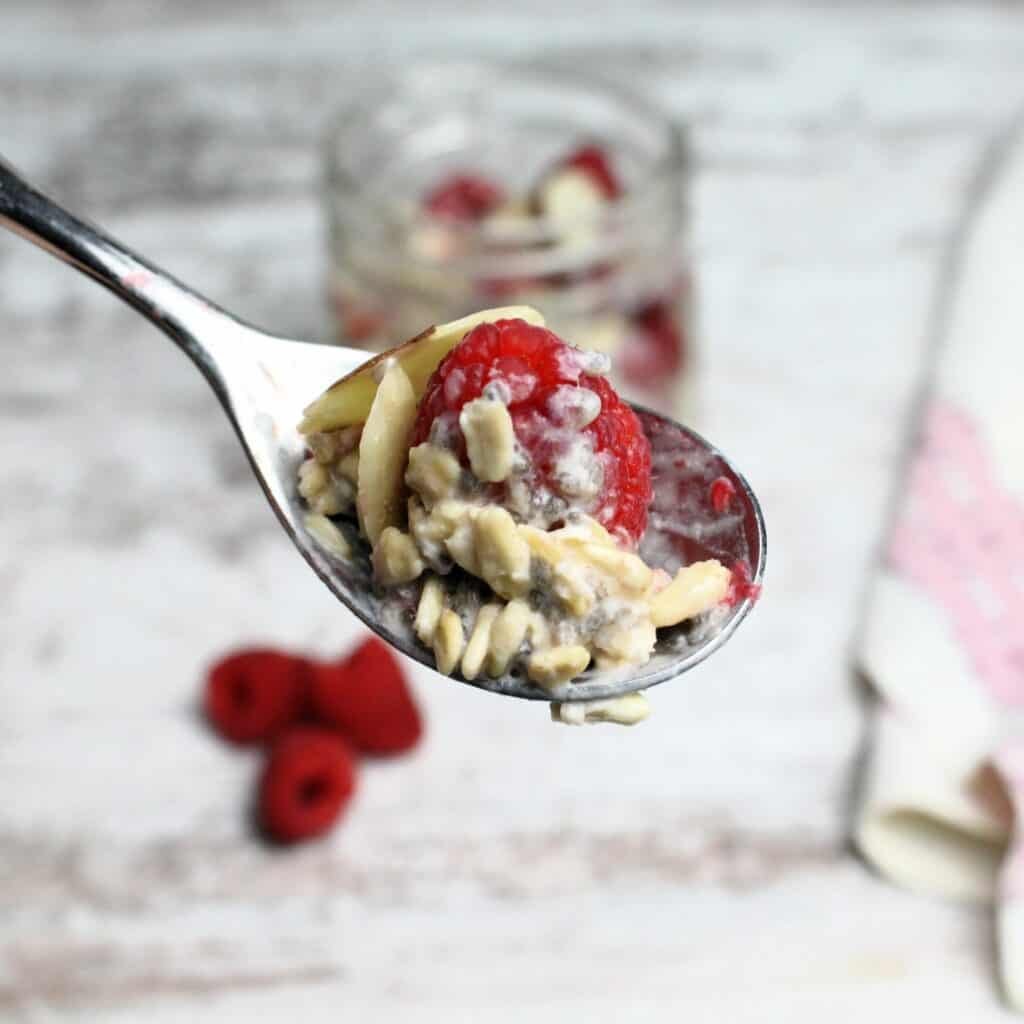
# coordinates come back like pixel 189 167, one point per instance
pixel 614 279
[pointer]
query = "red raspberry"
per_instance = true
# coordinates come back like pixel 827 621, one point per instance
pixel 252 695
pixel 656 352
pixel 594 162
pixel 308 779
pixel 741 586
pixel 366 698
pixel 722 492
pixel 464 197
pixel 534 364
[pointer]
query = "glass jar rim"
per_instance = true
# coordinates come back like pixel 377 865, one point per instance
pixel 658 173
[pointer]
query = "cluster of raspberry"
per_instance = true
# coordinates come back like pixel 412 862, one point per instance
pixel 314 719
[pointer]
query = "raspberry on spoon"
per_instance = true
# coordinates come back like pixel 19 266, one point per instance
pixel 741 586
pixel 723 492
pixel 586 447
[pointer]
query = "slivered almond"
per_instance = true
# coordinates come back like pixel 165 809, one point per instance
pixel 348 400
pixel 449 642
pixel 557 665
pixel 383 452
pixel 695 589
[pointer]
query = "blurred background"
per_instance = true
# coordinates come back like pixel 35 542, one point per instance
pixel 695 868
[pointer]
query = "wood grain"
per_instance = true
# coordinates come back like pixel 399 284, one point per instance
pixel 695 870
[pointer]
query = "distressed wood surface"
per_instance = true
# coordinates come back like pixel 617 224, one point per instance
pixel 695 869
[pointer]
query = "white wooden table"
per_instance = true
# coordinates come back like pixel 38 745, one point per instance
pixel 694 870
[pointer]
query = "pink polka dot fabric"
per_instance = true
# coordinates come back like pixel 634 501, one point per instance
pixel 943 640
pixel 960 538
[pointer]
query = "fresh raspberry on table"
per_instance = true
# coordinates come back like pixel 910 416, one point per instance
pixel 253 694
pixel 366 698
pixel 534 364
pixel 465 197
pixel 308 779
pixel 594 162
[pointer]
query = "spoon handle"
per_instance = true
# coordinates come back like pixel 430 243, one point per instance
pixel 177 310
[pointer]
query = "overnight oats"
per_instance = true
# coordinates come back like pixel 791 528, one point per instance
pixel 451 189
pixel 504 488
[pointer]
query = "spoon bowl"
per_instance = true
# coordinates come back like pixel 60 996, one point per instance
pixel 264 382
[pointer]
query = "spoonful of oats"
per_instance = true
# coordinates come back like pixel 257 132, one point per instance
pixel 479 496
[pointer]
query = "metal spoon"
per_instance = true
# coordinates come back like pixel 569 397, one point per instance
pixel 264 382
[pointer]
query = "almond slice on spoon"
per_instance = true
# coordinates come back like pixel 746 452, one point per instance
pixel 348 400
pixel 383 452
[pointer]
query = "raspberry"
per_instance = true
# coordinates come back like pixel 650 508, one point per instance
pixel 308 779
pixel 252 695
pixel 366 698
pixel 534 364
pixel 656 351
pixel 722 493
pixel 464 197
pixel 741 586
pixel 594 162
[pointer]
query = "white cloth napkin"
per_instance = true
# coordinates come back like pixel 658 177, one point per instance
pixel 944 637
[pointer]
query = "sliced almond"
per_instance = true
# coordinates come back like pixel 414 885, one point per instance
pixel 327 535
pixel 349 399
pixel 628 709
pixel 626 643
pixel 383 453
pixel 695 589
pixel 503 557
pixel 396 560
pixel 629 570
pixel 574 203
pixel 433 473
pixel 542 544
pixel 428 611
pixel 586 531
pixel 570 194
pixel 449 642
pixel 557 665
pixel 507 634
pixel 490 439
pixel 479 641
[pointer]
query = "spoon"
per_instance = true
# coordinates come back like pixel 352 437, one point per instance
pixel 264 382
